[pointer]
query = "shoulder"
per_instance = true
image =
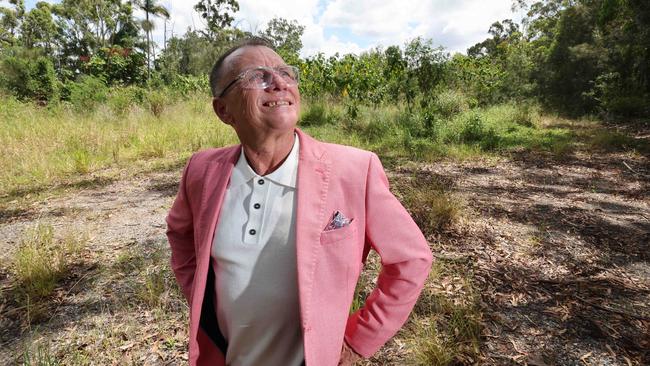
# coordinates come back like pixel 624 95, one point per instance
pixel 212 155
pixel 341 154
pixel 353 154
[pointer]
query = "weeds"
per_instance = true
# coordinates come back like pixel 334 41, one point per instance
pixel 445 329
pixel 40 263
pixel 431 205
pixel 39 356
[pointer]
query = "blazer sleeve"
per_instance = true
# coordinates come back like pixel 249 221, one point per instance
pixel 406 260
pixel 180 234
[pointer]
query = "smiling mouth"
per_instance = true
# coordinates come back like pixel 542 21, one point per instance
pixel 277 103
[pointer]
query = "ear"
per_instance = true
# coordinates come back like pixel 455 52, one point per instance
pixel 221 109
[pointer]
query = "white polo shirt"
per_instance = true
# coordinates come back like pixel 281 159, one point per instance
pixel 254 251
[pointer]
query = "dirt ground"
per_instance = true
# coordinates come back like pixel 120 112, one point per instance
pixel 558 250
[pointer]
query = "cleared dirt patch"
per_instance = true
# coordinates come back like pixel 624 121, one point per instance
pixel 548 260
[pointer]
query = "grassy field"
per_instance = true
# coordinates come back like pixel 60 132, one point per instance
pixel 85 276
pixel 44 147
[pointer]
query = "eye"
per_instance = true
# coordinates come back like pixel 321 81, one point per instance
pixel 287 73
pixel 257 75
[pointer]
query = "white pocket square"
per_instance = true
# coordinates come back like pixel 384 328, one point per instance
pixel 338 221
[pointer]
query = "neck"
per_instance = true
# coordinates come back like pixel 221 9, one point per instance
pixel 265 156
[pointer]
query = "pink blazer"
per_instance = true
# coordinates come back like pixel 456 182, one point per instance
pixel 330 177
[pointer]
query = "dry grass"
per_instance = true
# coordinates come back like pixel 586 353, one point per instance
pixel 41 147
pixel 40 263
pixel 445 328
pixel 431 204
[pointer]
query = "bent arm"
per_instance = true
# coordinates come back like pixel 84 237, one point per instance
pixel 180 234
pixel 406 260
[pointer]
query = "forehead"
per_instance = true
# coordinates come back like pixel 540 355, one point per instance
pixel 251 56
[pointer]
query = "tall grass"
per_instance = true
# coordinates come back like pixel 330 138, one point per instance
pixel 43 146
pixel 40 262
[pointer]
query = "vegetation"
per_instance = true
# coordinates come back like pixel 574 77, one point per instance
pixel 87 99
pixel 39 264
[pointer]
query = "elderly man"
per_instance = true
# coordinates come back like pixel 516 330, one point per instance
pixel 268 237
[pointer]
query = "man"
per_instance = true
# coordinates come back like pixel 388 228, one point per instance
pixel 268 237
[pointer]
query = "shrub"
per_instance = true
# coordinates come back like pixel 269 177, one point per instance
pixel 86 93
pixel 433 207
pixel 473 128
pixel 157 100
pixel 42 84
pixel 29 78
pixel 121 99
pixel 525 115
pixel 449 103
pixel 315 115
pixel 628 106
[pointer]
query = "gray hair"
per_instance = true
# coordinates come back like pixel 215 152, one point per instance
pixel 217 69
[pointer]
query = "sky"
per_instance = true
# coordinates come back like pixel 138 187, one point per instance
pixel 353 26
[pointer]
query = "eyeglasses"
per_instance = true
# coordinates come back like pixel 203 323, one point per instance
pixel 261 77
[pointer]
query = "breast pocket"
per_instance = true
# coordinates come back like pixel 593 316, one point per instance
pixel 337 235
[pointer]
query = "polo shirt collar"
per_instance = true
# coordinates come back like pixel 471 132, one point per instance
pixel 284 175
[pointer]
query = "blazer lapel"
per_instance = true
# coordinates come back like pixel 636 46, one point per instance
pixel 215 183
pixel 312 187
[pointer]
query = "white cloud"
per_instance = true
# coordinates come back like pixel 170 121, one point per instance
pixel 454 24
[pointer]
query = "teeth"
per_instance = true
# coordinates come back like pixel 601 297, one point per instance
pixel 273 104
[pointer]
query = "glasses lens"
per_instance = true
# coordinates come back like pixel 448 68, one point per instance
pixel 262 77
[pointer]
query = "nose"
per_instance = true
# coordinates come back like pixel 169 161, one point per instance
pixel 278 82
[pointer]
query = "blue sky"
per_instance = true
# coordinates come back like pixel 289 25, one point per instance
pixel 352 26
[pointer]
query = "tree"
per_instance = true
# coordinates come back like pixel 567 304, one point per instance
pixel 285 37
pixel 503 33
pixel 150 8
pixel 38 28
pixel 425 66
pixel 10 22
pixel 217 14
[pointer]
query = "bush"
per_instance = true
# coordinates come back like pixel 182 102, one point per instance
pixel 525 115
pixel 315 115
pixel 156 101
pixel 628 106
pixel 473 129
pixel 318 114
pixel 86 93
pixel 29 78
pixel 187 85
pixel 121 99
pixel 449 103
pixel 42 84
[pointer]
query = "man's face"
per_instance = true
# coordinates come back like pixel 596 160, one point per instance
pixel 254 112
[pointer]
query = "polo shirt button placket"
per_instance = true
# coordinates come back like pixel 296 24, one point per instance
pixel 255 219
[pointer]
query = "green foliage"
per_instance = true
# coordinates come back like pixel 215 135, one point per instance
pixel 28 75
pixel 449 103
pixel 86 93
pixel 217 14
pixel 42 84
pixel 121 99
pixel 317 114
pixel 117 65
pixel 473 128
pixel 285 37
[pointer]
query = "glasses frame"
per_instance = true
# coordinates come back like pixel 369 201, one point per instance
pixel 275 70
